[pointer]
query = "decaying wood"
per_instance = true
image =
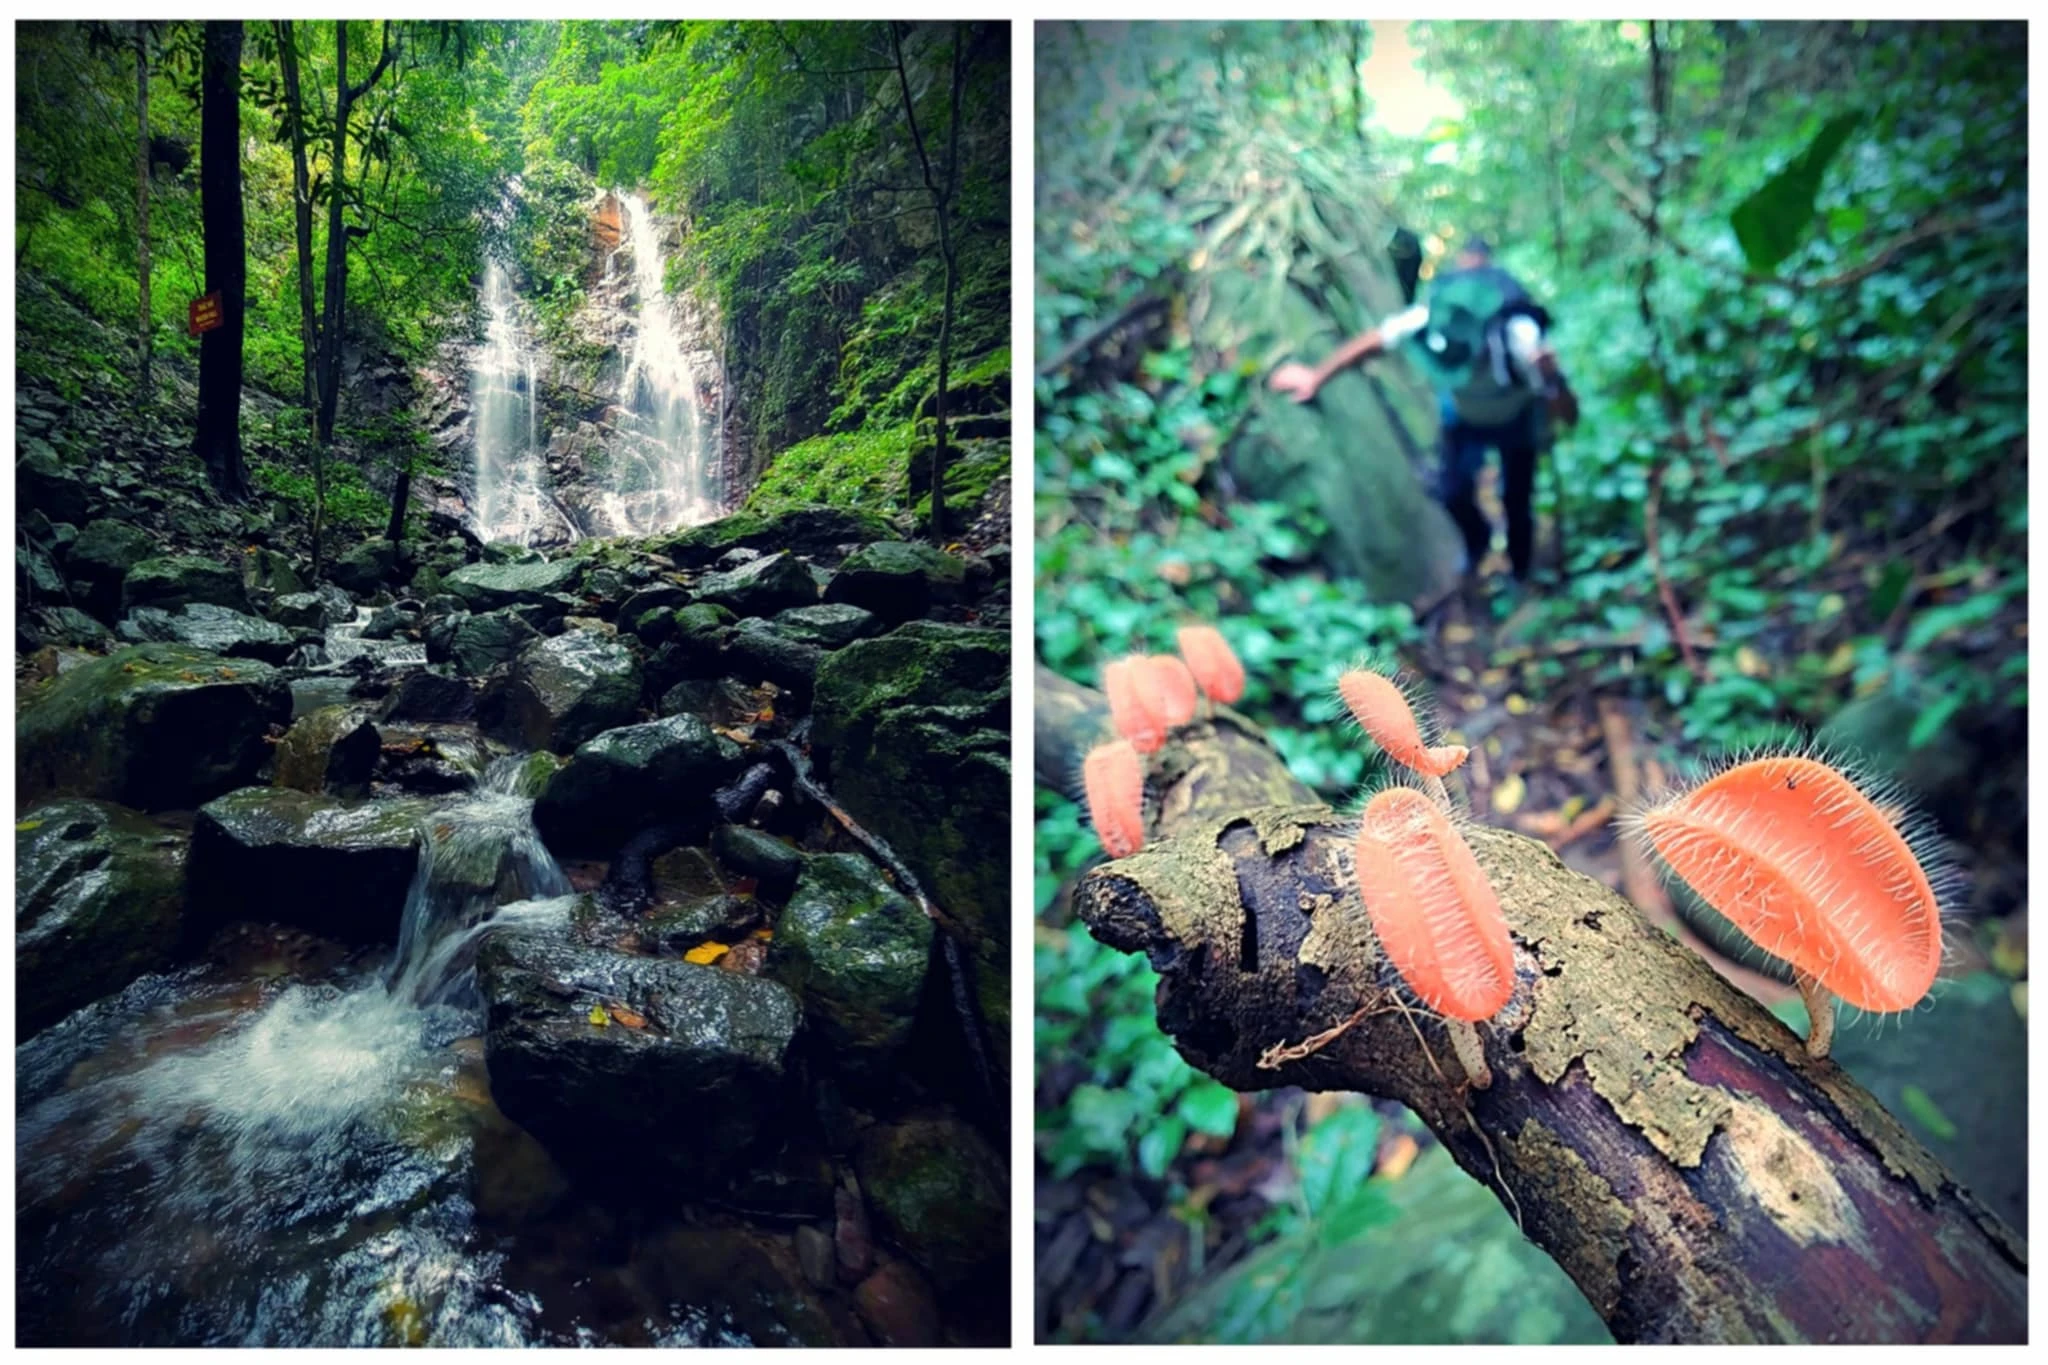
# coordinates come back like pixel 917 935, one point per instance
pixel 1662 1136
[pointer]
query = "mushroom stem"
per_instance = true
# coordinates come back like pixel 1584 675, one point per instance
pixel 1820 1009
pixel 1437 791
pixel 1465 1043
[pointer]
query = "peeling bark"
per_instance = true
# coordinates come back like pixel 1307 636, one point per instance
pixel 1662 1136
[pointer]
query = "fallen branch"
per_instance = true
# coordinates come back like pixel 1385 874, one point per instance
pixel 1657 1132
pixel 1138 308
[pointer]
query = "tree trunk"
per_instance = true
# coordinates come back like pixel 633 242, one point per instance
pixel 142 379
pixel 332 300
pixel 401 495
pixel 302 223
pixel 218 440
pixel 1657 1132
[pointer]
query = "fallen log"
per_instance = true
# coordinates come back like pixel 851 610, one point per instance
pixel 1657 1132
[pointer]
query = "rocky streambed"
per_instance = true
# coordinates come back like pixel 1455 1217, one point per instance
pixel 488 948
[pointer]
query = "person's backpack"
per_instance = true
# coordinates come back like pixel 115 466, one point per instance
pixel 1468 313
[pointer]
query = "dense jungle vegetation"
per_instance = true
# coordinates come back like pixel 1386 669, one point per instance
pixel 1786 264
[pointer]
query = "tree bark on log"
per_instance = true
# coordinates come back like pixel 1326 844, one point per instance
pixel 1657 1132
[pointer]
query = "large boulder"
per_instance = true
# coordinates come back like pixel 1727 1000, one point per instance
pixel 424 695
pixel 940 1192
pixel 323 607
pixel 634 776
pixel 897 579
pixel 564 690
pixel 98 894
pixel 806 530
pixel 760 587
pixel 363 569
pixel 43 484
pixel 157 727
pixel 759 649
pixel 173 580
pixel 630 1067
pixel 332 750
pixel 318 863
pixel 268 574
pixel 857 949
pixel 476 643
pixel 217 630
pixel 101 557
pixel 828 625
pixel 490 586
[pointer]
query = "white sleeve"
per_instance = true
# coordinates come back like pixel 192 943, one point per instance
pixel 1525 339
pixel 1403 325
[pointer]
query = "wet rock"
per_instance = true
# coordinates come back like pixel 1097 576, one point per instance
pixel 565 690
pixel 684 874
pixel 753 1280
pixel 156 727
pixel 853 1243
pixel 773 864
pixel 43 484
pixel 430 759
pixel 805 530
pixel 632 776
pixel 476 644
pixel 317 863
pixel 662 598
pixel 216 630
pixel 760 587
pixel 388 622
pixel 174 580
pixel 98 894
pixel 897 580
pixel 426 696
pixel 331 750
pixel 491 586
pixel 510 552
pixel 796 1182
pixel 828 625
pixel 101 557
pixel 673 929
pixel 718 700
pixel 857 949
pixel 687 1092
pixel 316 610
pixel 364 568
pixel 63 626
pixel 757 650
pixel 939 1192
pixel 267 574
pixel 898 1307
pixel 814 1254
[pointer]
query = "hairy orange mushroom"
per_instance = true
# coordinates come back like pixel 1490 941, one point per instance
pixel 1213 663
pixel 1173 690
pixel 1805 863
pixel 1113 777
pixel 1128 683
pixel 1436 915
pixel 1383 711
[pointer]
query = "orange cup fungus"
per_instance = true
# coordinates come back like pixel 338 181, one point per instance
pixel 1133 706
pixel 1382 710
pixel 1113 777
pixel 1432 907
pixel 1212 662
pixel 1806 864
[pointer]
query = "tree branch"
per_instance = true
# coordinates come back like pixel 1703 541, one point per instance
pixel 1657 1132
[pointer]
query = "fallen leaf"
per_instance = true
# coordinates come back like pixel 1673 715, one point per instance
pixel 1508 794
pixel 598 1017
pixel 628 1017
pixel 707 953
pixel 763 934
pixel 1517 704
pixel 25 826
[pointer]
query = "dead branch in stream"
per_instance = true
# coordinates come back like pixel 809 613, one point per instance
pixel 1656 1131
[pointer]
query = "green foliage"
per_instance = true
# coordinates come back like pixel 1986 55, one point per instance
pixel 864 468
pixel 1770 223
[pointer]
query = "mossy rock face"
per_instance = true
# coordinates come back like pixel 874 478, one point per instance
pixel 332 750
pixel 156 727
pixel 99 890
pixel 173 580
pixel 759 649
pixel 760 587
pixel 477 643
pixel 216 630
pixel 897 580
pixel 315 862
pixel 100 559
pixel 806 530
pixel 267 574
pixel 490 586
pixel 365 568
pixel 940 1192
pixel 858 949
pixel 633 776
pixel 44 484
pixel 565 690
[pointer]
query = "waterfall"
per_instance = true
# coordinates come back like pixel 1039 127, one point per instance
pixel 663 471
pixel 511 497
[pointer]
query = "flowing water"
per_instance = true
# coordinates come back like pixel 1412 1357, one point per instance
pixel 268 1156
pixel 663 470
pixel 511 498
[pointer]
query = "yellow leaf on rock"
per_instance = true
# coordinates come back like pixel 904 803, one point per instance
pixel 1507 797
pixel 706 953
pixel 628 1017
pixel 598 1017
pixel 24 826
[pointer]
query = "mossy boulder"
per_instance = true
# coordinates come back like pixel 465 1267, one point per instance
pixel 940 1192
pixel 317 863
pixel 489 586
pixel 857 949
pixel 565 690
pixel 98 894
pixel 268 574
pixel 774 865
pixel 216 630
pixel 627 778
pixel 316 610
pixel 156 727
pixel 898 580
pixel 363 569
pixel 806 530
pixel 100 559
pixel 173 580
pixel 758 650
pixel 333 750
pixel 476 643
pixel 828 625
pixel 760 587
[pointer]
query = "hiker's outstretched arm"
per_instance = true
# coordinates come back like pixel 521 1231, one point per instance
pixel 1303 381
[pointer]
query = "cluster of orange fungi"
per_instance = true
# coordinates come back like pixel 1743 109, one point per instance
pixel 1791 850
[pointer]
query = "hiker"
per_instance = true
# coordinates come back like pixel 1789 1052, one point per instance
pixel 1479 336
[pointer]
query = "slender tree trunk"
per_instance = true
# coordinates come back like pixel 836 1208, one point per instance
pixel 218 439
pixel 401 495
pixel 1657 1132
pixel 309 326
pixel 142 381
pixel 332 300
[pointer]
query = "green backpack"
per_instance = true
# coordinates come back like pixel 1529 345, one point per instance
pixel 1467 309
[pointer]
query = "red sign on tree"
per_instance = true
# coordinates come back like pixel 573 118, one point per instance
pixel 204 315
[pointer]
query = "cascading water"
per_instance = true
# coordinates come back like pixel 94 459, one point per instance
pixel 236 1165
pixel 664 466
pixel 511 499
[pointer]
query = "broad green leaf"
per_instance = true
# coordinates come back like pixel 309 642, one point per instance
pixel 1771 223
pixel 1209 1107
